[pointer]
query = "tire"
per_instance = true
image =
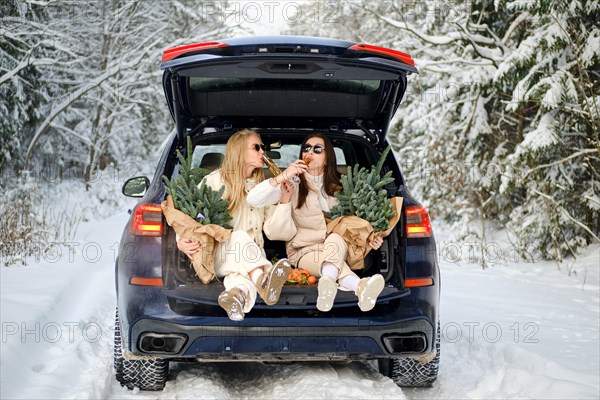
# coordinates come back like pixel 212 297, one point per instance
pixel 147 374
pixel 408 372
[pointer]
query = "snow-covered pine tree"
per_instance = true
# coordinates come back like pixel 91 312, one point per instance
pixel 553 170
pixel 83 78
pixel 501 124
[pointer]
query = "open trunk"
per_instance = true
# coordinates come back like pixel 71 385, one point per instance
pixel 286 87
pixel 296 82
pixel 189 296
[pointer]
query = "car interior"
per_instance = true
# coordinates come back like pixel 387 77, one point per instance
pixel 282 148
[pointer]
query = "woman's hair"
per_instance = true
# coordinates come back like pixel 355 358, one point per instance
pixel 331 176
pixel 234 166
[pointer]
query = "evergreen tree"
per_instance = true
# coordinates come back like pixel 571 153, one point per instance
pixel 502 122
pixel 23 57
pixel 80 81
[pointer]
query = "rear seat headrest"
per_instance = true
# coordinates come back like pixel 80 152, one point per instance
pixel 211 161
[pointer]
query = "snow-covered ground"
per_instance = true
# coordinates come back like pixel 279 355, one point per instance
pixel 515 330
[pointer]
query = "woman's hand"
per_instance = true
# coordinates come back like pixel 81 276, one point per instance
pixel 296 168
pixel 286 192
pixel 376 243
pixel 189 247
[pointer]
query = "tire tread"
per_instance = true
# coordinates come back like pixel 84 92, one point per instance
pixel 150 374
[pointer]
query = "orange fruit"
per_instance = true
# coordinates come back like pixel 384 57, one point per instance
pixel 312 280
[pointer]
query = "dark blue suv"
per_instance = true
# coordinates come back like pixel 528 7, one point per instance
pixel 284 87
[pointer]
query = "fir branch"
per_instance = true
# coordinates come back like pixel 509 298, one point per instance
pixel 363 195
pixel 202 203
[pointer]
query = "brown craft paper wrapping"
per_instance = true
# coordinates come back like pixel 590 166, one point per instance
pixel 207 235
pixel 358 233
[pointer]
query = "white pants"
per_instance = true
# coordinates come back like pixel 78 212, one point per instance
pixel 333 250
pixel 235 258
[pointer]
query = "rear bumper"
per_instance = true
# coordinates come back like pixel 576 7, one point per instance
pixel 296 340
pixel 404 326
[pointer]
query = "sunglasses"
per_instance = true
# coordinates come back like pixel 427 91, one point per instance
pixel 317 148
pixel 259 147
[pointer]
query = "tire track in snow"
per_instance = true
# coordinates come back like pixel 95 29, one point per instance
pixel 302 380
pixel 65 336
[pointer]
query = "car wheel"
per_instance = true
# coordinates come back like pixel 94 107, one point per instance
pixel 407 372
pixel 146 374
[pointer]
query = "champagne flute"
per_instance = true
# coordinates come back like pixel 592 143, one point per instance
pixel 275 170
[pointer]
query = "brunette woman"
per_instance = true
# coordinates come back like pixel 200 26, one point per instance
pixel 311 247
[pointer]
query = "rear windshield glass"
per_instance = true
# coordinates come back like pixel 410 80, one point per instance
pixel 211 156
pixel 202 84
pixel 284 155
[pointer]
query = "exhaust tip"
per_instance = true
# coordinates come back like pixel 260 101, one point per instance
pixel 162 343
pixel 403 344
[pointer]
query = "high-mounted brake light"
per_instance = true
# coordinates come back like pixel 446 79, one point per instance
pixel 404 57
pixel 147 220
pixel 418 224
pixel 170 54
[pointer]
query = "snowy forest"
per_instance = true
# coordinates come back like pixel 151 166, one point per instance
pixel 501 127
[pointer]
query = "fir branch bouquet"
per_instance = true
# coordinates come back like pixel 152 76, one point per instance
pixel 197 213
pixel 203 204
pixel 364 210
pixel 363 194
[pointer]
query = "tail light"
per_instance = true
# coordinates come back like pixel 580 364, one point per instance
pixel 147 220
pixel 418 224
pixel 145 281
pixel 404 57
pixel 418 282
pixel 170 54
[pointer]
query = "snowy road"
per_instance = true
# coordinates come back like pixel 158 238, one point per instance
pixel 512 331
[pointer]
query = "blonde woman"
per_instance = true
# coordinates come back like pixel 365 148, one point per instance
pixel 241 261
pixel 311 247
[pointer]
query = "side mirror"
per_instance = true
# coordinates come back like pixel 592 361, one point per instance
pixel 136 187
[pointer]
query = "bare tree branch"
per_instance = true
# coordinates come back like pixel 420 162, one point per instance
pixel 562 161
pixel 435 40
pixel 566 213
